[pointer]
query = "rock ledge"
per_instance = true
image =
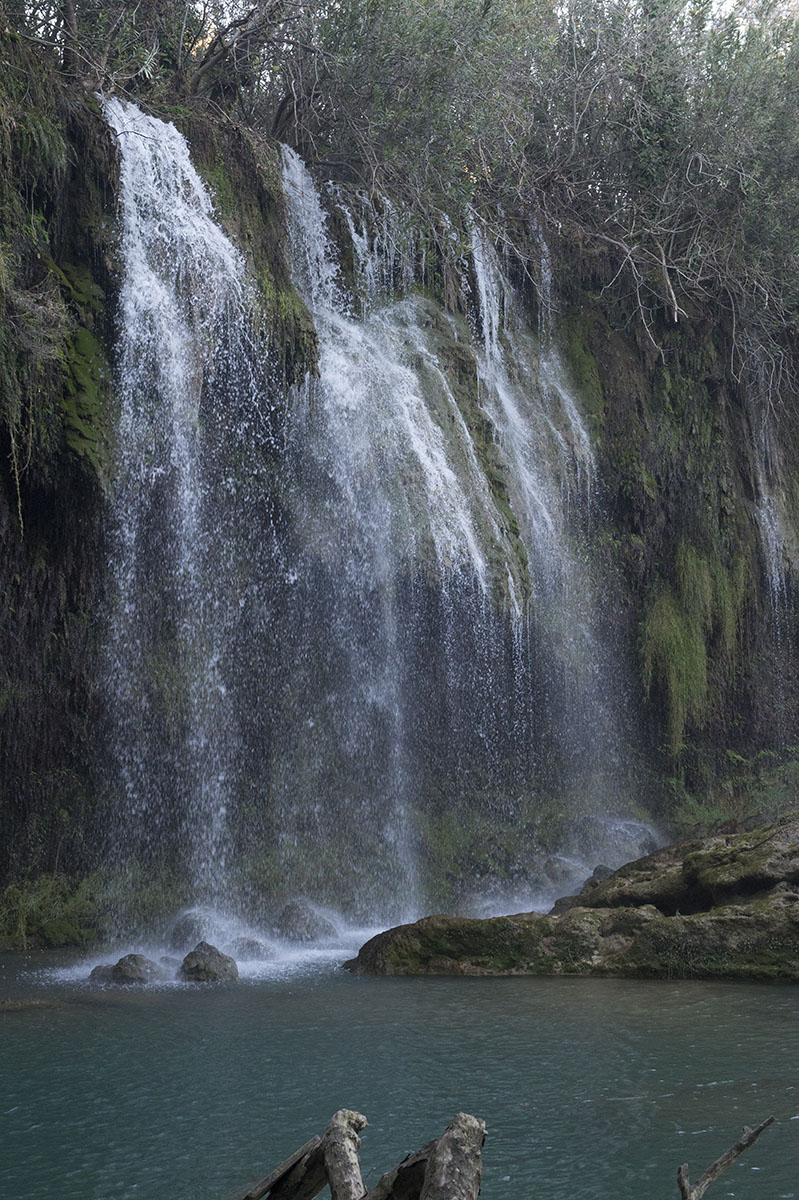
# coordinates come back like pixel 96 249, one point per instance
pixel 726 907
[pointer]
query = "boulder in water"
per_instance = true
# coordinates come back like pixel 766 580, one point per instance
pixel 189 929
pixel 298 922
pixel 252 948
pixel 102 974
pixel 206 964
pixel 131 968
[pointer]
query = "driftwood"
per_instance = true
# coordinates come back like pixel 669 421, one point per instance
pixel 694 1191
pixel 448 1168
pixel 279 1173
pixel 454 1168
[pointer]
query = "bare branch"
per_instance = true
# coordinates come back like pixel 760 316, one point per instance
pixel 695 1191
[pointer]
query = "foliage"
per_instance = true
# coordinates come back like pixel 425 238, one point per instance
pixel 674 653
pixel 688 626
pixel 662 135
pixel 744 793
pixel 51 909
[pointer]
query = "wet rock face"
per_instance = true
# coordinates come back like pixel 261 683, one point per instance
pixel 298 922
pixel 693 877
pixel 727 907
pixel 206 964
pixel 131 969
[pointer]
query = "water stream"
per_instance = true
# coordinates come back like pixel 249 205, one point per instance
pixel 441 482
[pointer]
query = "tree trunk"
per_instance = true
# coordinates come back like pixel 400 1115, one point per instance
pixel 455 1166
pixel 341 1145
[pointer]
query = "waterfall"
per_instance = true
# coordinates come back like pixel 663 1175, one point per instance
pixel 352 648
pixel 435 481
pixel 392 512
pixel 526 393
pixel 185 372
pixel 779 548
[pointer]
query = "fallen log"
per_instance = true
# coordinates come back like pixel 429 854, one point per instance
pixel 328 1162
pixel 405 1181
pixel 454 1168
pixel 341 1144
pixel 279 1173
pixel 448 1168
pixel 694 1191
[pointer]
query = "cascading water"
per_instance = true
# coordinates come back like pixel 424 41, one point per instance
pixel 190 407
pixel 431 481
pixel 352 649
pixel 389 512
pixel 551 467
pixel 778 546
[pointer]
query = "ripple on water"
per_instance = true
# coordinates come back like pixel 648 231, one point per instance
pixel 589 1087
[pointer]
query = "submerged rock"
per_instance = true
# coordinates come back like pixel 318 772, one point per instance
pixel 206 964
pixel 727 907
pixel 26 1004
pixel 130 969
pixel 298 922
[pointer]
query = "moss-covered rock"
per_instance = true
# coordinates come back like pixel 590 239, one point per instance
pixel 740 919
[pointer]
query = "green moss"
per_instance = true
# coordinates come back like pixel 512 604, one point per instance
pixel 53 910
pixel 738 946
pixel 242 170
pixel 575 333
pixel 84 403
pixel 695 583
pixel 675 657
pixel 691 630
pixel 222 189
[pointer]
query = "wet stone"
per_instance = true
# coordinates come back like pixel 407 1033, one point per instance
pixel 298 922
pixel 206 964
pixel 130 969
pixel 252 949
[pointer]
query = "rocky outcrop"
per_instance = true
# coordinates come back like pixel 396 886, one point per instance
pixel 206 964
pixel 727 907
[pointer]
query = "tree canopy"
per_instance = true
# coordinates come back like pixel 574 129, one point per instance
pixel 662 134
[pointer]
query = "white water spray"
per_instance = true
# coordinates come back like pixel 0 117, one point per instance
pixel 183 303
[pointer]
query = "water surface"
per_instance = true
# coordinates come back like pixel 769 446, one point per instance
pixel 590 1088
